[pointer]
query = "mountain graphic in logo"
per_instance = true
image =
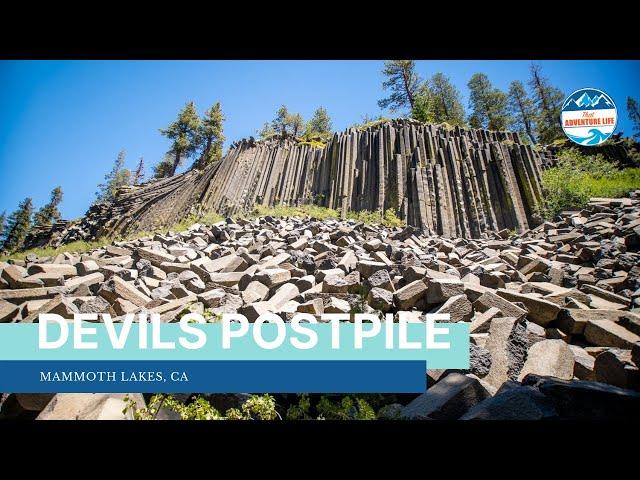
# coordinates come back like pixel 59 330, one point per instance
pixel 589 116
pixel 587 100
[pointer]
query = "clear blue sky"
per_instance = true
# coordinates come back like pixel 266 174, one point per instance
pixel 63 122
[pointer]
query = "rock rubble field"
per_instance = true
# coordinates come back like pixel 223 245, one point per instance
pixel 554 312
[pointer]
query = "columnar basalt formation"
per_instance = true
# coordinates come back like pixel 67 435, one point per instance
pixel 447 181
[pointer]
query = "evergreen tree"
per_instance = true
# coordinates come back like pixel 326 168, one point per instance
pixel 320 122
pixel 281 124
pixel 548 101
pixel 296 123
pixel 522 110
pixel 18 226
pixel 488 104
pixel 116 178
pixel 211 135
pixel 267 130
pixel 49 214
pixel 138 174
pixel 633 109
pixel 164 168
pixel 403 82
pixel 3 221
pixel 185 133
pixel 438 101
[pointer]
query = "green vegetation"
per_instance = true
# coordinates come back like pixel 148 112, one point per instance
pixel 403 82
pixel 438 101
pixel 185 134
pixel 138 174
pixel 79 246
pixel 211 137
pixel 18 226
pixel 578 177
pixel 82 246
pixel 548 103
pixel 345 408
pixel 316 132
pixel 633 109
pixel 368 122
pixel 488 104
pixel 3 219
pixel 389 219
pixel 522 110
pixel 116 178
pixel 49 214
pixel 256 407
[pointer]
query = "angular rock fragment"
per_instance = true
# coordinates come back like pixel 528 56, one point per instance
pixel 448 399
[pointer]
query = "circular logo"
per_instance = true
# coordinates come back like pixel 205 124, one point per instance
pixel 589 116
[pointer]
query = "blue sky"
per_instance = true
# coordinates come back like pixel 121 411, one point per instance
pixel 63 122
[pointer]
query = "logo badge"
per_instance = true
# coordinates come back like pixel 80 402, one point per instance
pixel 589 116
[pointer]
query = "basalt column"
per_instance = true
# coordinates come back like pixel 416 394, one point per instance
pixel 447 181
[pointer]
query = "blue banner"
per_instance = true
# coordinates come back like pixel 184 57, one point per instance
pixel 219 376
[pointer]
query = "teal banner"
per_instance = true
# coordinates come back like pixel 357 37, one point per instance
pixel 449 348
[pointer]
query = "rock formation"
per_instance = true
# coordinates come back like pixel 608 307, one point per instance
pixel 446 181
pixel 552 312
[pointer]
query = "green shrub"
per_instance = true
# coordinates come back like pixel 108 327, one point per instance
pixel 256 407
pixel 345 409
pixel 389 219
pixel 578 177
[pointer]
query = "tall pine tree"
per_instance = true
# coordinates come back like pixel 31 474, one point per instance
pixel 49 214
pixel 18 226
pixel 403 82
pixel 211 136
pixel 116 178
pixel 185 133
pixel 488 104
pixel 320 122
pixel 138 174
pixel 281 124
pixel 297 124
pixel 633 109
pixel 438 101
pixel 522 110
pixel 548 101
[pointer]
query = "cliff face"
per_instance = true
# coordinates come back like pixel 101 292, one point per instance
pixel 450 182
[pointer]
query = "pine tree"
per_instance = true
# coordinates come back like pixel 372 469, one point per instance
pixel 320 123
pixel 403 82
pixel 18 226
pixel 548 101
pixel 296 123
pixel 138 174
pixel 281 124
pixel 3 221
pixel 164 168
pixel 185 133
pixel 633 109
pixel 211 134
pixel 488 104
pixel 116 178
pixel 438 101
pixel 267 130
pixel 49 214
pixel 522 110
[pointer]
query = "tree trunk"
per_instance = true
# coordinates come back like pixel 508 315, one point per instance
pixel 202 161
pixel 406 88
pixel 176 162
